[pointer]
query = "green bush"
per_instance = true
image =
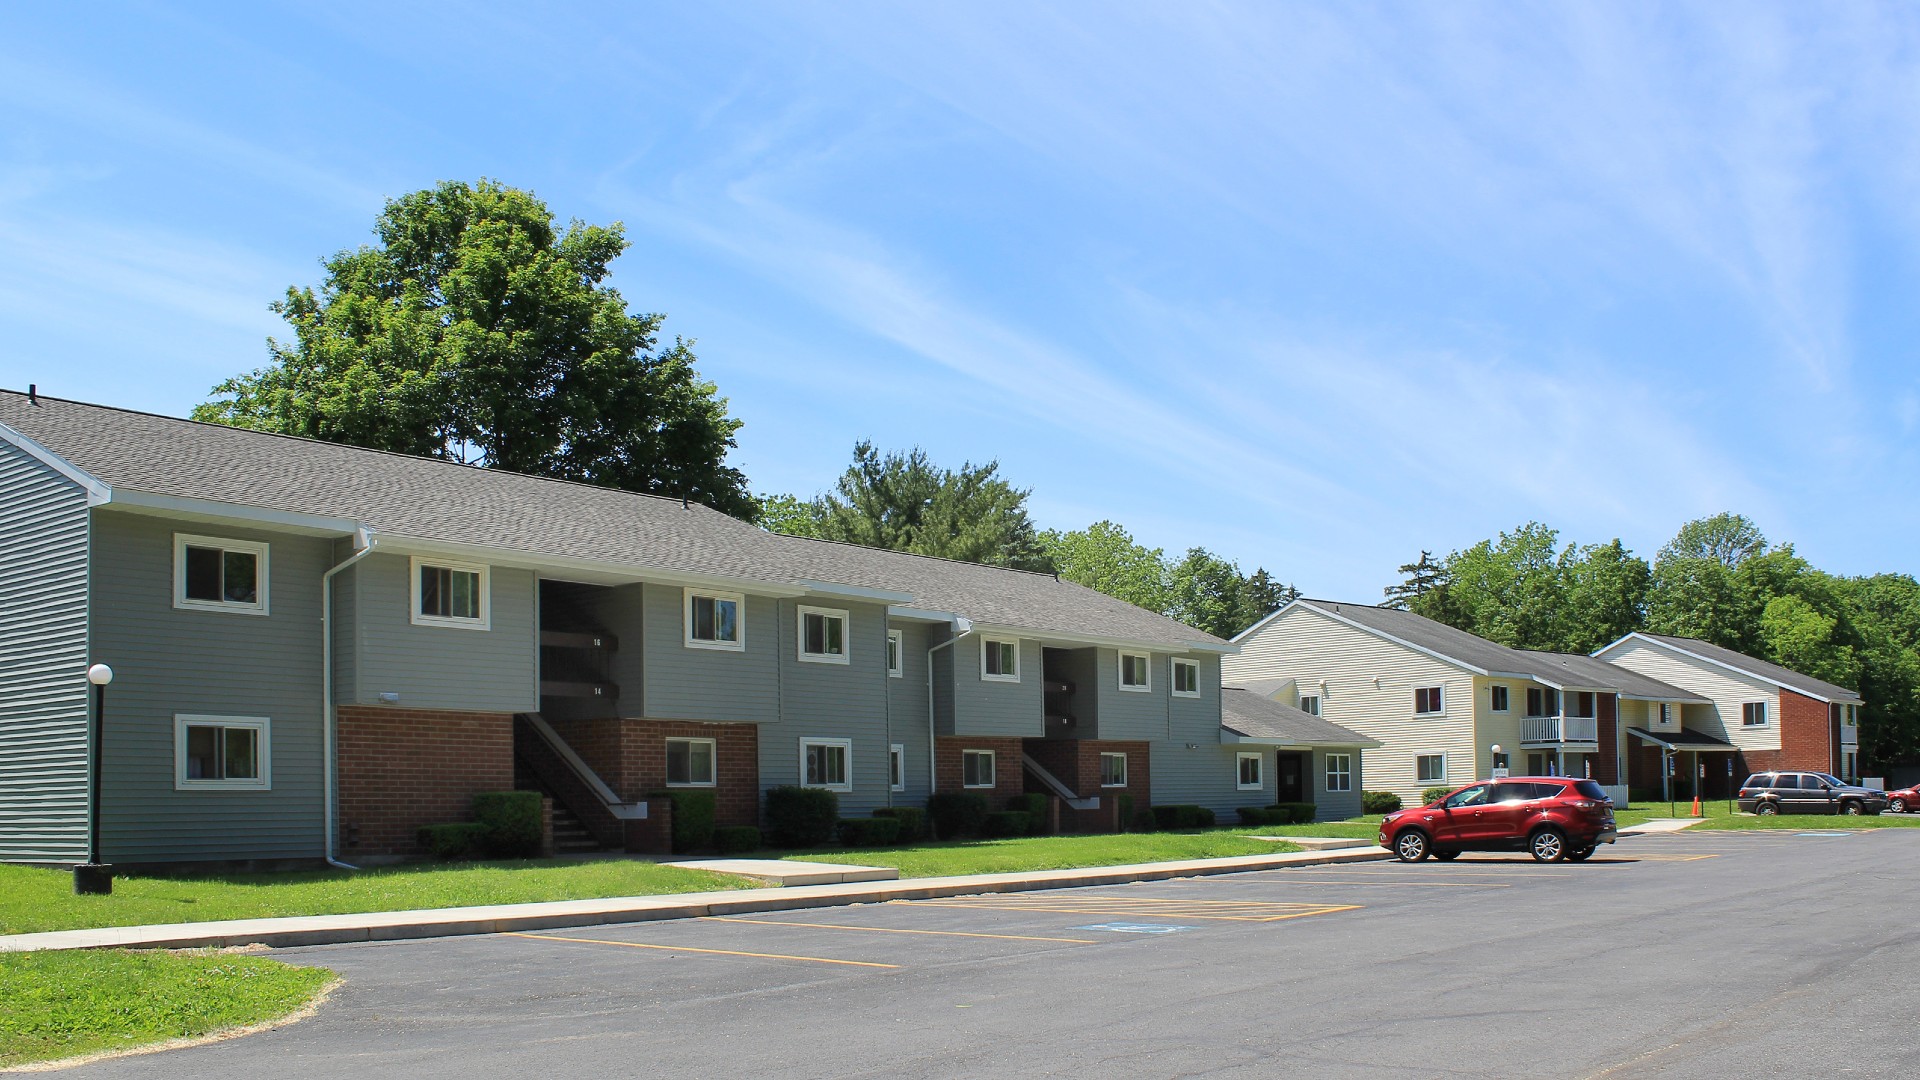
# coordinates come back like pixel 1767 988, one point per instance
pixel 736 839
pixel 1299 813
pixel 1182 816
pixel 1641 796
pixel 1205 818
pixel 1035 806
pixel 1379 802
pixel 1428 795
pixel 512 823
pixel 1261 815
pixel 1126 818
pixel 1006 823
pixel 692 819
pixel 801 816
pixel 460 840
pixel 956 813
pixel 1144 820
pixel 912 819
pixel 868 831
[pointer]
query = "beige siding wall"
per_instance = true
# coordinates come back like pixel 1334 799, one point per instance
pixel 1369 688
pixel 1727 690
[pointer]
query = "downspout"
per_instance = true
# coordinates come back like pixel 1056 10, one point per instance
pixel 363 542
pixel 964 627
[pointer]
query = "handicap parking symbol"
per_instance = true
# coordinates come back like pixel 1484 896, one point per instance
pixel 1135 928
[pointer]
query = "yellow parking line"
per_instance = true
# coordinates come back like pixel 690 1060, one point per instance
pixel 894 930
pixel 1392 884
pixel 1156 911
pixel 712 952
pixel 1668 858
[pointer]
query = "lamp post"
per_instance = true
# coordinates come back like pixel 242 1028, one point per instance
pixel 1499 772
pixel 95 877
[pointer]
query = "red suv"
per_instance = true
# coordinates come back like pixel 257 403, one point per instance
pixel 1550 817
pixel 1907 798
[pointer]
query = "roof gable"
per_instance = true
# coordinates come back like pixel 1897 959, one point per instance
pixel 1723 657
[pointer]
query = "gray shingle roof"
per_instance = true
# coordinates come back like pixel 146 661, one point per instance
pixel 1574 669
pixel 433 500
pixel 1247 712
pixel 1772 673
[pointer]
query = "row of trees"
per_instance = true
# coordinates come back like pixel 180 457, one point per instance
pixel 1719 580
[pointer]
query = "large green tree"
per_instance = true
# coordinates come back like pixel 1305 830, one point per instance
pixel 1105 557
pixel 476 330
pixel 905 502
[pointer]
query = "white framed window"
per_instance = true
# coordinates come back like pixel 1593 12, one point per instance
pixel 1665 715
pixel 1498 698
pixel 897 767
pixel 450 594
pixel 1186 678
pixel 713 620
pixel 211 574
pixel 1339 772
pixel 1429 701
pixel 896 654
pixel 222 753
pixel 1753 714
pixel 1113 769
pixel 1852 715
pixel 999 660
pixel 1310 703
pixel 823 635
pixel 1136 673
pixel 691 762
pixel 827 763
pixel 976 768
pixel 1249 770
pixel 1430 768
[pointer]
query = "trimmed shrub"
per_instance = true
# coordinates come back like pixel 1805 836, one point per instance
pixel 1429 795
pixel 736 839
pixel 1182 816
pixel 1379 802
pixel 1144 820
pixel 801 816
pixel 1034 805
pixel 956 813
pixel 692 819
pixel 1261 815
pixel 1127 819
pixel 1006 823
pixel 1204 817
pixel 1299 813
pixel 912 819
pixel 460 840
pixel 868 831
pixel 511 820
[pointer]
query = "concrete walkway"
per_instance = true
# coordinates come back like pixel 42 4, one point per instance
pixel 502 918
pixel 1661 825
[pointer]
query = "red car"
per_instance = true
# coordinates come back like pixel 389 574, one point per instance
pixel 1550 817
pixel 1907 798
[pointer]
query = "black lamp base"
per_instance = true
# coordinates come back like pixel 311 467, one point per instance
pixel 93 879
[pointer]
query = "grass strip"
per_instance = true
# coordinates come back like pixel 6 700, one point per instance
pixel 71 1004
pixel 951 858
pixel 1807 822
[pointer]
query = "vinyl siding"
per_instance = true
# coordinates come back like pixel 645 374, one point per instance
pixel 439 667
pixel 1128 714
pixel 43 662
pixel 168 661
pixel 1727 690
pixel 833 701
pixel 1336 805
pixel 711 684
pixel 907 711
pixel 1206 775
pixel 985 707
pixel 1307 646
pixel 346 607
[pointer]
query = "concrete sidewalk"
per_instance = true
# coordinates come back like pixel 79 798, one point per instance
pixel 502 918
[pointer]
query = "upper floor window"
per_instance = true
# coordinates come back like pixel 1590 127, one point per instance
pixel 1853 715
pixel 823 635
pixel 896 654
pixel 450 594
pixel 690 762
pixel 1429 699
pixel 1665 715
pixel 1542 702
pixel 210 574
pixel 1310 703
pixel 1186 678
pixel 1497 698
pixel 221 752
pixel 1753 714
pixel 999 660
pixel 1136 672
pixel 713 621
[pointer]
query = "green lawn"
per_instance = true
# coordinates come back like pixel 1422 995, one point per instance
pixel 34 899
pixel 946 859
pixel 1810 822
pixel 66 1004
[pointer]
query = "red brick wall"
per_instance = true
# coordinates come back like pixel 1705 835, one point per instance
pixel 404 768
pixel 1606 763
pixel 1008 776
pixel 1076 763
pixel 1805 734
pixel 631 756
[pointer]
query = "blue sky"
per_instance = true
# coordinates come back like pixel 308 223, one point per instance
pixel 1314 286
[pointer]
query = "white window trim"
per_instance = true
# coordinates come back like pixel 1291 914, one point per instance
pixel 1120 672
pixel 261 724
pixel 846 635
pixel 985 644
pixel 713 761
pixel 1104 755
pixel 1260 761
pixel 897 642
pixel 1327 780
pixel 1442 755
pixel 1319 703
pixel 1173 670
pixel 1490 690
pixel 897 752
pixel 1766 714
pixel 844 744
pixel 1442 710
pixel 181 541
pixel 484 622
pixel 994 768
pixel 739 644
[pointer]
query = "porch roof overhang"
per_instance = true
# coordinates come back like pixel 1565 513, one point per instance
pixel 1694 742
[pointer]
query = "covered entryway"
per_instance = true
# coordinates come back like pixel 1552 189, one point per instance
pixel 1290 778
pixel 1692 763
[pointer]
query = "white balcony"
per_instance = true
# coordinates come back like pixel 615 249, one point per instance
pixel 1556 730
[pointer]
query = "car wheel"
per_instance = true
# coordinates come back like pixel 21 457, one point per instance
pixel 1767 809
pixel 1411 846
pixel 1898 806
pixel 1446 856
pixel 1852 808
pixel 1547 845
pixel 1580 854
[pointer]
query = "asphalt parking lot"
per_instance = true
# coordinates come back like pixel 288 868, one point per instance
pixel 1692 955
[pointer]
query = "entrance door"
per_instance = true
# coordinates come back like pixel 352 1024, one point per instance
pixel 1290 778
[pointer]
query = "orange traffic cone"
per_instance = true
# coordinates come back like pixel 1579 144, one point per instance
pixel 1696 806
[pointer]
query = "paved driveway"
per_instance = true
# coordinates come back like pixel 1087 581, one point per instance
pixel 1696 955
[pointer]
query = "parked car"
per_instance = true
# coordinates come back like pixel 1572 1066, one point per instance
pixel 1550 817
pixel 1903 800
pixel 1808 793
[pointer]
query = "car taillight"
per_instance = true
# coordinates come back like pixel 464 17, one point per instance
pixel 1584 804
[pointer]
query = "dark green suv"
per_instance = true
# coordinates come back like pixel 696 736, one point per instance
pixel 1807 793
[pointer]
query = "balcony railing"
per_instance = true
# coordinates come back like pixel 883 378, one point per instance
pixel 1559 729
